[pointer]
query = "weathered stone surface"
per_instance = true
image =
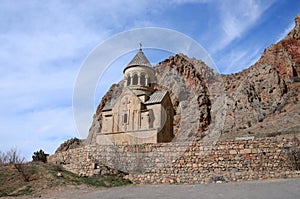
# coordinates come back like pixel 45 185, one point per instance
pixel 189 94
pixel 285 55
pixel 160 164
pixel 69 144
pixel 263 99
pixel 113 93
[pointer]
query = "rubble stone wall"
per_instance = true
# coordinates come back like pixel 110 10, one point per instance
pixel 186 162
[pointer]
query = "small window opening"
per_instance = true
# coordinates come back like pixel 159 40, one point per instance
pixel 128 80
pixel 125 118
pixel 143 80
pixel 135 79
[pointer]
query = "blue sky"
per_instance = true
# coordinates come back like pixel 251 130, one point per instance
pixel 44 43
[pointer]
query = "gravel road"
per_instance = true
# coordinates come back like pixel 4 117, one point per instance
pixel 279 188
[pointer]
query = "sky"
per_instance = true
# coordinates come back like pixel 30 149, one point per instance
pixel 45 43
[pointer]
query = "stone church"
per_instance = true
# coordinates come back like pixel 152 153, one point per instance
pixel 141 114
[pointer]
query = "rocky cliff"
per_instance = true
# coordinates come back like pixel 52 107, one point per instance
pixel 262 100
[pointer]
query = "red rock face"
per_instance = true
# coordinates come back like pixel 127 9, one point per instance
pixel 190 84
pixel 267 93
pixel 285 55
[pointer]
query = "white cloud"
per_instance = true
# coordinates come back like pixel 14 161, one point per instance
pixel 239 59
pixel 28 91
pixel 38 129
pixel 236 17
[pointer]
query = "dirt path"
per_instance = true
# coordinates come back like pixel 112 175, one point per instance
pixel 282 188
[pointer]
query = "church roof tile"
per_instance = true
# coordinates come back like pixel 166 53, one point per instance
pixel 139 60
pixel 156 97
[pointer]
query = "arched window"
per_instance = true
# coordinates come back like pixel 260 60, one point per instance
pixel 143 80
pixel 135 79
pixel 128 80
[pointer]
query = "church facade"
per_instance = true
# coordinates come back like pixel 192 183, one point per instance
pixel 141 114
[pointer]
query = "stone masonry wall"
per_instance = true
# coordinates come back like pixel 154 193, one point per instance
pixel 186 162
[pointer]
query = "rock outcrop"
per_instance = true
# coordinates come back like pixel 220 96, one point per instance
pixel 285 55
pixel 189 94
pixel 264 98
pixel 69 144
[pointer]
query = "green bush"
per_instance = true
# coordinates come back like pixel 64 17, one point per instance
pixel 40 156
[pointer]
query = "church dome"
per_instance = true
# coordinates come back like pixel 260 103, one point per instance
pixel 138 60
pixel 139 75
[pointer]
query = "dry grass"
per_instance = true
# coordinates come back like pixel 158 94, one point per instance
pixel 44 177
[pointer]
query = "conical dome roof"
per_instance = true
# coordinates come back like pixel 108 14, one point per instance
pixel 139 60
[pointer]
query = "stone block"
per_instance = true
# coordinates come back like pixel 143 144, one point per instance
pixel 232 152
pixel 245 151
pixel 254 150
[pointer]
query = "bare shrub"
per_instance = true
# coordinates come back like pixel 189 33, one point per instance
pixel 3 158
pixel 10 157
pixel 13 157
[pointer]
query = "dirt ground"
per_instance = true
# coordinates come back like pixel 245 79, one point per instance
pixel 280 188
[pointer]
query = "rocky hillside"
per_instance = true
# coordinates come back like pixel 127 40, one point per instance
pixel 265 97
pixel 262 100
